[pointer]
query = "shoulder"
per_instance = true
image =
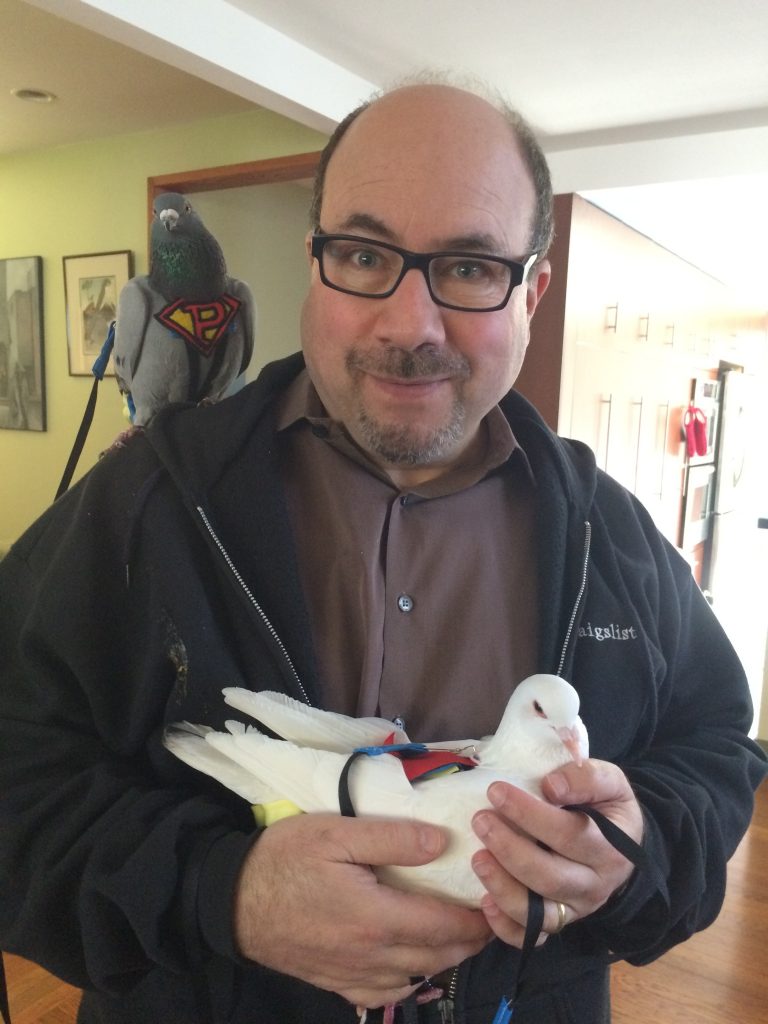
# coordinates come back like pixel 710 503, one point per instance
pixel 96 512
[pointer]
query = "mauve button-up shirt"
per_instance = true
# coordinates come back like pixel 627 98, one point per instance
pixel 422 601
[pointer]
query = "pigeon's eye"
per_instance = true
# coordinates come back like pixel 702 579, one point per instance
pixel 538 709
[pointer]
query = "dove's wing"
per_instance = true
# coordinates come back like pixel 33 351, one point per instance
pixel 310 727
pixel 310 777
pixel 188 743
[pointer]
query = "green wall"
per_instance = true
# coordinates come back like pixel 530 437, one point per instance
pixel 90 198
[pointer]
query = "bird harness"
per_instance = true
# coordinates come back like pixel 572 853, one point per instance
pixel 418 761
pixel 423 767
pixel 98 370
pixel 202 324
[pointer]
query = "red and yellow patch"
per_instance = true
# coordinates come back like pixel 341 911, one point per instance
pixel 202 324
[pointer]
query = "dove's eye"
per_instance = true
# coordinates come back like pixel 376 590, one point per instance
pixel 538 709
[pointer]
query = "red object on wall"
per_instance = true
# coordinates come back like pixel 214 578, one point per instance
pixel 695 424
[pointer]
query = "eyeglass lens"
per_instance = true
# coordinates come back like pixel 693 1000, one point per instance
pixel 368 269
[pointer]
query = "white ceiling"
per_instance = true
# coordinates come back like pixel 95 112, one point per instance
pixel 657 111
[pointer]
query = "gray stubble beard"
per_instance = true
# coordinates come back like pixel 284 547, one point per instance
pixel 402 444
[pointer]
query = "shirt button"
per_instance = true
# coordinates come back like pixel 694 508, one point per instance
pixel 405 603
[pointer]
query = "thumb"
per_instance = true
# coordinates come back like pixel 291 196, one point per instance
pixel 593 782
pixel 378 842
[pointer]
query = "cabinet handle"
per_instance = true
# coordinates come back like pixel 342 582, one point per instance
pixel 639 406
pixel 612 317
pixel 669 335
pixel 609 402
pixel 643 326
pixel 665 407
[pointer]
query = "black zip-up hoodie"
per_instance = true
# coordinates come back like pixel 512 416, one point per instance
pixel 168 573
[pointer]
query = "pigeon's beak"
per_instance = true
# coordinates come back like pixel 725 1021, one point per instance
pixel 570 738
pixel 169 219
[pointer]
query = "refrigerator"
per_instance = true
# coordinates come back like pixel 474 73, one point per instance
pixel 737 573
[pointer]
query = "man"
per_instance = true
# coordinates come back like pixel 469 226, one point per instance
pixel 393 531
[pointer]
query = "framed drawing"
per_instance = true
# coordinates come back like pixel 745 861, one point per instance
pixel 92 283
pixel 22 368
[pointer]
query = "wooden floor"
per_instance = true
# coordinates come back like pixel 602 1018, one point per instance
pixel 36 997
pixel 718 977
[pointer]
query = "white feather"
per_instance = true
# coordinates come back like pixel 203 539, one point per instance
pixel 308 726
pixel 188 743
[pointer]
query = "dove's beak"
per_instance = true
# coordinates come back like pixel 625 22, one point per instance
pixel 570 738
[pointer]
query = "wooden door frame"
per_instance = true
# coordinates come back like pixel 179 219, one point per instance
pixel 295 167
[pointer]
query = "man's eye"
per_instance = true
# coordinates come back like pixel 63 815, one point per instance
pixel 364 258
pixel 467 270
pixel 353 256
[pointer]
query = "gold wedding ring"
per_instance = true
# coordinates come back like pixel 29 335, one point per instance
pixel 560 918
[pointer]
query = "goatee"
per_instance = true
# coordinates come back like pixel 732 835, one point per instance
pixel 407 444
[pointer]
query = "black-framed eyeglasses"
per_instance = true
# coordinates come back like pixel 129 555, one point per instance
pixel 467 281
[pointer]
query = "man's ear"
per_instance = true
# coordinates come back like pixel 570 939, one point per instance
pixel 537 284
pixel 308 246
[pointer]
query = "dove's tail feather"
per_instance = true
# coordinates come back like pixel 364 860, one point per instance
pixel 308 726
pixel 279 765
pixel 188 743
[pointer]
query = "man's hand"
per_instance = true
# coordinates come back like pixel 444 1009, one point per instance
pixel 576 865
pixel 308 905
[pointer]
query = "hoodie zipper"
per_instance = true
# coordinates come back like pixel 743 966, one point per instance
pixel 447 1003
pixel 254 603
pixel 579 595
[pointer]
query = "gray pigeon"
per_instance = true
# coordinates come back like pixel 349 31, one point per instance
pixel 184 332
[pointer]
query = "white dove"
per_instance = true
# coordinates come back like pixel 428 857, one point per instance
pixel 539 732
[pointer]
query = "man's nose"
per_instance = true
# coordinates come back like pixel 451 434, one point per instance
pixel 410 317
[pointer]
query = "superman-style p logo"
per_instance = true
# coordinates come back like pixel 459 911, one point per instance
pixel 202 324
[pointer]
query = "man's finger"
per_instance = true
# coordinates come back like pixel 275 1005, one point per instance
pixel 379 842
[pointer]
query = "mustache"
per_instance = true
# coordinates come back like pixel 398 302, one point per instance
pixel 407 364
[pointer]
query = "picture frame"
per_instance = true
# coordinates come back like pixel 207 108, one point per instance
pixel 22 351
pixel 92 283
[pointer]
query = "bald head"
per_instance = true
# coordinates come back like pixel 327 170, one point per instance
pixel 445 120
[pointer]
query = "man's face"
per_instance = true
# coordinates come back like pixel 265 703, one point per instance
pixel 427 168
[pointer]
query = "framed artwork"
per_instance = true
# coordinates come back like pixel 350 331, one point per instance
pixel 92 284
pixel 22 367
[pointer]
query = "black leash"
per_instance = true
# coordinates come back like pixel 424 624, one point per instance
pixel 98 370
